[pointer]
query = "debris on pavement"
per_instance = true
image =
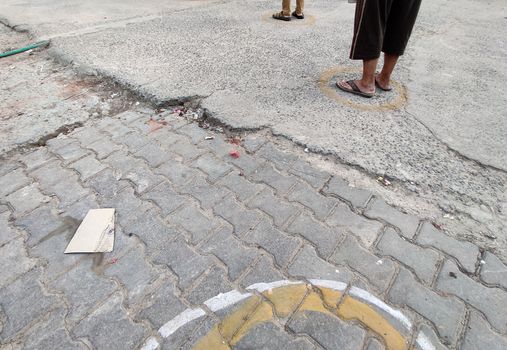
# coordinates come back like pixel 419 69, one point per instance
pixel 236 140
pixel 438 226
pixel 156 124
pixel 95 234
pixel 234 154
pixel 307 150
pixel 209 138
pixel 383 181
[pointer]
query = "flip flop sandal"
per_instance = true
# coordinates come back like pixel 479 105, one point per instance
pixel 355 90
pixel 281 16
pixel 301 16
pixel 380 87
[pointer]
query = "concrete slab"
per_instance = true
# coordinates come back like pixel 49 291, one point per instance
pixel 445 131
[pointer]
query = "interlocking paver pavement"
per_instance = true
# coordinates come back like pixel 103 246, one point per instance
pixel 195 225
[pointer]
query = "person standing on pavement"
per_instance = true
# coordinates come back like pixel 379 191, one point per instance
pixel 285 14
pixel 379 25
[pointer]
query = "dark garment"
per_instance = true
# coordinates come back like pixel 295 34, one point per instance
pixel 382 25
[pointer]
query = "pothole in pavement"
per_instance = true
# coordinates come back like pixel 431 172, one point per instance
pixel 382 101
pixel 274 315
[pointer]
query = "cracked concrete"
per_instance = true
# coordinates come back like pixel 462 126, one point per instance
pixel 446 143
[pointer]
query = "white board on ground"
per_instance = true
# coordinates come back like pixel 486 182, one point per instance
pixel 95 234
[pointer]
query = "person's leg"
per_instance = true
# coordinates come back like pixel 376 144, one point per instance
pixel 283 15
pixel 367 82
pixel 300 4
pixel 384 77
pixel 286 7
pixel 399 26
pixel 369 24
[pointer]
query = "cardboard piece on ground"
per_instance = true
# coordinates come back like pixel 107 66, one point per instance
pixel 95 234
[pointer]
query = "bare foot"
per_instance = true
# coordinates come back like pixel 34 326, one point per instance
pixel 383 84
pixel 369 89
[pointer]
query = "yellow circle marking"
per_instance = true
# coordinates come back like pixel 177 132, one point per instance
pixel 307 21
pixel 290 299
pixel 332 92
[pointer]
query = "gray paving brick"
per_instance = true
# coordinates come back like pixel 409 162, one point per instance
pixel 486 300
pixel 207 194
pixel 40 223
pixel 212 284
pixel 36 158
pixel 242 188
pixel 7 166
pixel 262 272
pixel 194 132
pixel 107 183
pixel 328 330
pixel 195 222
pixel 87 135
pixel 479 336
pixel 268 175
pixel 79 209
pixel 50 173
pixel 246 163
pixel 141 125
pixel 185 335
pixel 128 207
pixel 494 271
pixel 427 333
pixel 315 177
pixel 279 210
pixel 128 117
pixel 87 167
pixel 186 150
pixel 242 219
pixel 143 177
pixel 230 251
pixel 218 146
pixel 68 191
pixel 186 263
pixel 115 128
pixel 51 334
pixel 51 251
pixel 423 261
pixel 215 168
pixel 465 252
pixel 407 224
pixel 134 141
pixel 161 305
pixel 134 273
pixel 14 261
pixel 374 344
pixel 269 336
pixel 379 272
pixel 26 199
pixel 309 265
pixel 177 173
pixel 13 181
pixel 340 188
pixel 7 233
pixel 348 221
pixel 83 288
pixel 281 246
pixel 165 198
pixel 167 140
pixel 153 154
pixel 59 141
pixel 109 327
pixel 23 302
pixel 253 142
pixel 103 147
pixel 446 313
pixel 202 330
pixel 281 159
pixel 307 196
pixel 151 229
pixel 71 152
pixel 324 238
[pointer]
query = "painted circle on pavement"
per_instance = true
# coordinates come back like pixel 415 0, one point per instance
pixel 382 101
pixel 264 302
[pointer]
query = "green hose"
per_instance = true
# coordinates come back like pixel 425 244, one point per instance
pixel 23 49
